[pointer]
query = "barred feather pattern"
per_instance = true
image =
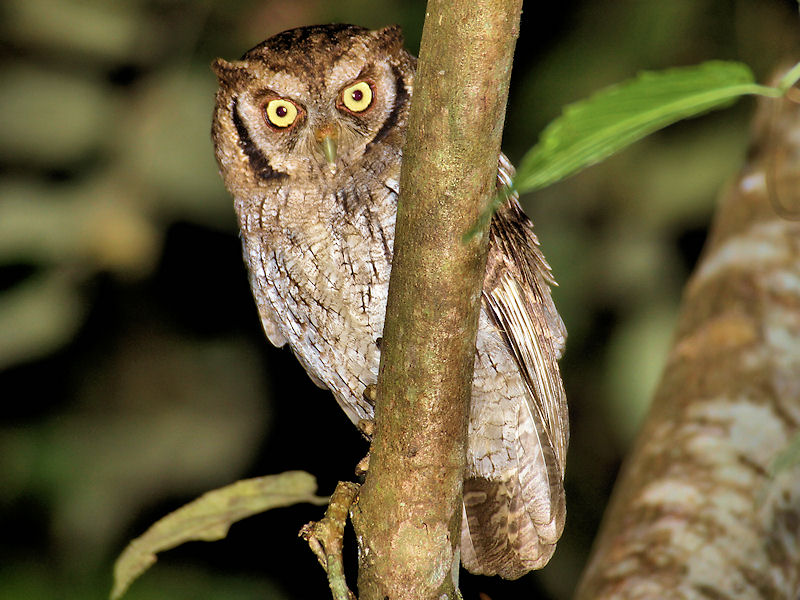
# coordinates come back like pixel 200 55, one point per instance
pixel 514 505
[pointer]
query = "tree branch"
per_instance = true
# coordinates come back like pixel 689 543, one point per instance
pixel 408 516
pixel 695 512
pixel 325 538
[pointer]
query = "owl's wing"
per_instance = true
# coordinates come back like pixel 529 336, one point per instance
pixel 513 522
pixel 269 321
pixel 517 295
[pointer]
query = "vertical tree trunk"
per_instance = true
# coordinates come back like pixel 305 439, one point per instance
pixel 696 513
pixel 408 515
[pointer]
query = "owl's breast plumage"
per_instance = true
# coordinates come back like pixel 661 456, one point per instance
pixel 322 270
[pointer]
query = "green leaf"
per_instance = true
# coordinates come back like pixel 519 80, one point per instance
pixel 592 129
pixel 209 517
pixel 792 76
pixel 500 198
pixel 787 458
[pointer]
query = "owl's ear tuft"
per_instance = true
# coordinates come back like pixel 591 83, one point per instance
pixel 226 71
pixel 390 37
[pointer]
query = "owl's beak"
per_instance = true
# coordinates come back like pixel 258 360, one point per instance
pixel 328 139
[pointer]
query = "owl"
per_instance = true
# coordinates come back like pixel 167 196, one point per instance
pixel 308 132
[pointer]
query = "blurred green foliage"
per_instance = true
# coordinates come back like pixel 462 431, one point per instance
pixel 135 375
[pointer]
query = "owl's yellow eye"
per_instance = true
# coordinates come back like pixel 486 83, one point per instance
pixel 281 113
pixel 357 97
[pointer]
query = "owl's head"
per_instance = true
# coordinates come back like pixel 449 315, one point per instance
pixel 313 100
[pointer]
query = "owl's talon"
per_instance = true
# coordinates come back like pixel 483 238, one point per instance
pixel 367 428
pixel 371 394
pixel 363 465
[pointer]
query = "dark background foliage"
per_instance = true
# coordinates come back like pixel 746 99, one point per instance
pixel 133 372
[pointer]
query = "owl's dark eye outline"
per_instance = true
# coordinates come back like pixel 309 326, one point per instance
pixel 357 98
pixel 282 114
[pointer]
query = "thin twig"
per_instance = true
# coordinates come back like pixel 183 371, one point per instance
pixel 325 538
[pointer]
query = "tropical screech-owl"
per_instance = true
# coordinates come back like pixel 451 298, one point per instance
pixel 308 130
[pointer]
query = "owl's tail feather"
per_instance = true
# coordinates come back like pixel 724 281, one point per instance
pixel 510 526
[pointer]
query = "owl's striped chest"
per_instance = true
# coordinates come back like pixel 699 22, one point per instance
pixel 332 278
pixel 326 281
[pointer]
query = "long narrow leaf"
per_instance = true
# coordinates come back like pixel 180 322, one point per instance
pixel 209 517
pixel 590 130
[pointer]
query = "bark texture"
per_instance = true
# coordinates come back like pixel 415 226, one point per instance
pixel 408 515
pixel 695 512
